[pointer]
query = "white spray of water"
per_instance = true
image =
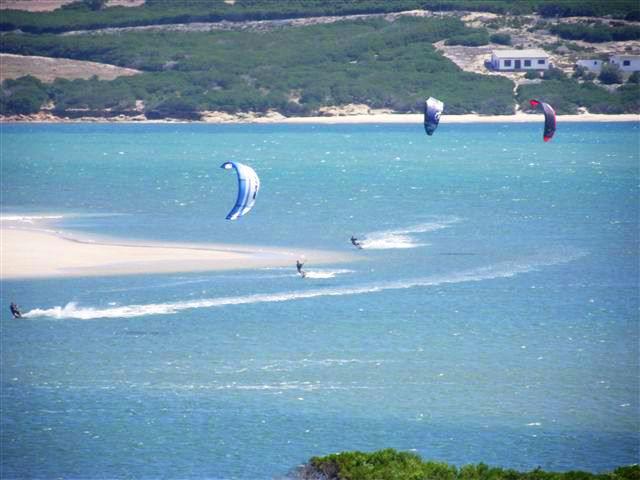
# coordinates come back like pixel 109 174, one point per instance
pixel 404 237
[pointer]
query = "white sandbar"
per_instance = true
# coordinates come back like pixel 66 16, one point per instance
pixel 41 254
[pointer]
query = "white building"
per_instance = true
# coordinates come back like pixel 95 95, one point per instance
pixel 591 65
pixel 627 63
pixel 517 60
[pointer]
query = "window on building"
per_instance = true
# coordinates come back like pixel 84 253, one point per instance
pixel 527 63
pixel 626 63
pixel 540 62
pixel 507 63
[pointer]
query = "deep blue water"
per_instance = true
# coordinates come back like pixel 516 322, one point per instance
pixel 493 315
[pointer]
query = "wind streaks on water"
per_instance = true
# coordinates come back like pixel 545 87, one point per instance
pixel 504 269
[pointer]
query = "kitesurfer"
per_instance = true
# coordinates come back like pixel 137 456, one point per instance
pixel 299 265
pixel 355 242
pixel 15 311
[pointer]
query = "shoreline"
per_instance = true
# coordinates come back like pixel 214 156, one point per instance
pixel 30 249
pixel 372 118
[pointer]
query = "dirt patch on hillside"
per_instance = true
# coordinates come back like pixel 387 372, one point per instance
pixel 50 5
pixel 33 5
pixel 48 69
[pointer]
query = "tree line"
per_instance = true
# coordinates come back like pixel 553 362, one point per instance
pixel 391 464
pixel 596 33
pixel 92 14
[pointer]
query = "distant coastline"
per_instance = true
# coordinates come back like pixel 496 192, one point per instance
pixel 276 118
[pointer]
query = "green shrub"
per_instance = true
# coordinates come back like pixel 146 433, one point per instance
pixel 596 33
pixel 579 71
pixel 174 108
pixel 23 96
pixel 501 38
pixel 390 464
pixel 474 39
pixel 633 16
pixel 610 74
pixel 553 74
pixel 567 95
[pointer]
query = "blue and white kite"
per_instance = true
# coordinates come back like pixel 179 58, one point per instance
pixel 432 111
pixel 248 186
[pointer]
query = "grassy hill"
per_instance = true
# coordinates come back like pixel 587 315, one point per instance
pixel 293 70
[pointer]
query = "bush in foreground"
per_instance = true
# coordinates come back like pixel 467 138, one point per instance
pixel 610 74
pixel 501 38
pixel 390 464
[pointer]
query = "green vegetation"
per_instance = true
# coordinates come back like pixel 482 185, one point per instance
pixel 553 74
pixel 501 38
pixel 586 8
pixel 567 95
pixel 296 71
pixel 390 464
pixel 23 96
pixel 382 64
pixel 596 33
pixel 610 74
pixel 90 14
pixel 473 38
pixel 583 73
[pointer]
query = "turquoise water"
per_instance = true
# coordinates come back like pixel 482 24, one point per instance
pixel 491 317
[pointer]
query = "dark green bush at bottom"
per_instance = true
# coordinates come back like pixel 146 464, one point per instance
pixel 390 464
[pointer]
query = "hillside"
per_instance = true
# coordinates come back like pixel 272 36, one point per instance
pixel 391 464
pixel 384 60
pixel 93 14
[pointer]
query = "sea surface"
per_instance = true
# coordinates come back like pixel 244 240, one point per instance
pixel 492 315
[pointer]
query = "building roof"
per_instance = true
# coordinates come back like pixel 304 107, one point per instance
pixel 512 53
pixel 627 57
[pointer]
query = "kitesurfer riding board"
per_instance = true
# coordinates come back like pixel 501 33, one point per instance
pixel 15 311
pixel 299 265
pixel 356 243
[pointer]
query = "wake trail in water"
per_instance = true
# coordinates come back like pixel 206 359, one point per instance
pixel 404 237
pixel 28 218
pixel 500 270
pixel 325 274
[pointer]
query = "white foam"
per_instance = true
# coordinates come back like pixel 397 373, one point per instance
pixel 404 237
pixel 500 270
pixel 324 274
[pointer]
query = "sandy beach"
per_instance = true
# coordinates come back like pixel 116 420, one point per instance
pixel 469 118
pixel 36 252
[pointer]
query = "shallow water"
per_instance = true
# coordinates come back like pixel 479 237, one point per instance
pixel 493 316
